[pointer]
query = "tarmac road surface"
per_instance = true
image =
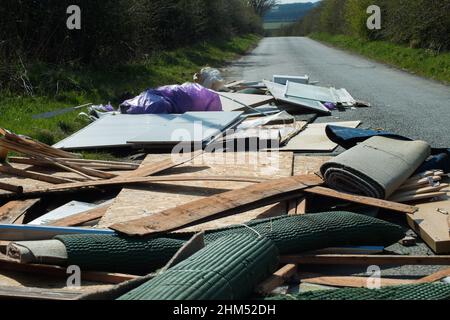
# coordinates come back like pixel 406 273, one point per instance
pixel 401 102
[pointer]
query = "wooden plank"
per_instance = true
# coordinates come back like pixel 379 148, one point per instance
pixel 224 204
pixel 61 273
pixel 342 259
pixel 378 203
pixel 430 222
pixel 13 211
pixel 38 293
pixel 152 168
pixel 354 282
pixel 153 199
pixel 277 279
pixel 81 218
pixel 9 170
pixel 438 276
pixel 11 188
pixel 77 186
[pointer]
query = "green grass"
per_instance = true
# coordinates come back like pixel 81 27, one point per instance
pixel 422 62
pixel 57 87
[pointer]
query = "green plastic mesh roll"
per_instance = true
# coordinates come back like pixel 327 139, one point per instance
pixel 293 234
pixel 227 269
pixel 116 254
pixel 428 291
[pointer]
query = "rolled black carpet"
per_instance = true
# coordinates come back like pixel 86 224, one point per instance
pixel 375 168
pixel 291 235
pixel 428 291
pixel 227 269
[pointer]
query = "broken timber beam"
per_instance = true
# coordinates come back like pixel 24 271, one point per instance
pixel 217 206
pixel 378 203
pixel 342 259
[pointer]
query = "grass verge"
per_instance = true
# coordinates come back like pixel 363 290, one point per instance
pixel 422 62
pixel 58 87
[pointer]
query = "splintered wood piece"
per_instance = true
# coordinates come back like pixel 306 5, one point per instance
pixel 342 259
pixel 277 279
pixel 160 166
pixel 131 181
pixel 11 188
pixel 13 211
pixel 354 282
pixel 33 175
pixel 430 222
pixel 59 272
pixel 81 218
pixel 228 203
pixel 38 293
pixel 378 203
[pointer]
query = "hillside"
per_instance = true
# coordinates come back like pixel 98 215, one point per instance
pixel 288 12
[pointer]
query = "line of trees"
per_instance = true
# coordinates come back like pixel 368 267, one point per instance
pixel 417 23
pixel 118 30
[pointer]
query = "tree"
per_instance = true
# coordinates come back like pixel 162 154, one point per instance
pixel 261 7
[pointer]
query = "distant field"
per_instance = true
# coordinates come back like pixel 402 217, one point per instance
pixel 276 25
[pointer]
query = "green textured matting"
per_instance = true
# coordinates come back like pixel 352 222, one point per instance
pixel 227 269
pixel 419 292
pixel 293 234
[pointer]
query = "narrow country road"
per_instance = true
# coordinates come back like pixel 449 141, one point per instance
pixel 401 102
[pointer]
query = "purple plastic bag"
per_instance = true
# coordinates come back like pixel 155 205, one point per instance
pixel 176 99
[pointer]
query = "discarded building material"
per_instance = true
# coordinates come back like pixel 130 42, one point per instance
pixel 24 145
pixel 373 202
pixel 290 234
pixel 278 91
pixel 37 293
pixel 380 260
pixel 228 203
pixel 11 188
pixel 376 167
pixel 82 217
pixel 58 272
pixel 150 130
pixel 70 187
pixel 277 279
pixel 414 292
pixel 51 114
pixel 430 222
pixel 228 269
pixel 13 212
pixel 149 169
pixel 239 101
pixel 353 282
pixel 153 198
pixel 93 164
pixel 31 233
pixel 310 92
pixel 283 79
pixel 314 138
pixel 64 211
pixel 9 170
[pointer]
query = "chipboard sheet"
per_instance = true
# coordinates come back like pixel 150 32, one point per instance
pixel 126 130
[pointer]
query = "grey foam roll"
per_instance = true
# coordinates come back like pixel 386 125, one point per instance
pixel 375 168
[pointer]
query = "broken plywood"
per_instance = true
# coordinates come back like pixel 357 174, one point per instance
pixel 138 202
pixel 431 223
pixel 309 165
